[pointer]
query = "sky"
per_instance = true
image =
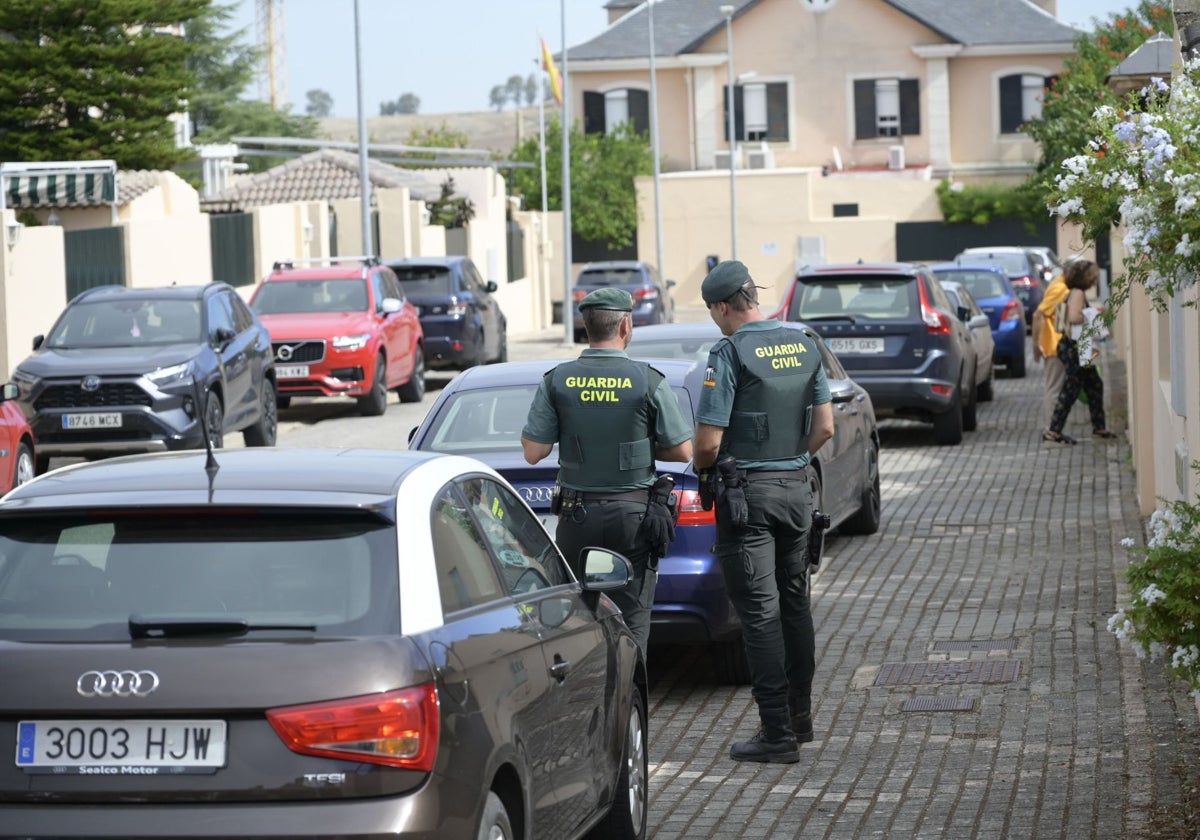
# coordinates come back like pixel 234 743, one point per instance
pixel 451 53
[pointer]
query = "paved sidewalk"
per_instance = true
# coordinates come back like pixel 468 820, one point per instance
pixel 988 587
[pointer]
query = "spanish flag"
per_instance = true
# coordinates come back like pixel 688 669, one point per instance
pixel 549 66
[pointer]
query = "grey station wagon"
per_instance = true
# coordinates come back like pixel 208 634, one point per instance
pixel 324 643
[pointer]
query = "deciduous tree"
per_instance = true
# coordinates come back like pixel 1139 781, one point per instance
pixel 603 168
pixel 320 103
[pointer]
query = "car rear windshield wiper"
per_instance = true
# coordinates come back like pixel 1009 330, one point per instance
pixel 150 627
pixel 808 319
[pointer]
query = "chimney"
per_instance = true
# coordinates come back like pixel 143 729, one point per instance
pixel 617 9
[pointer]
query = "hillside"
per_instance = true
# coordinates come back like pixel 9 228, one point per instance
pixel 495 131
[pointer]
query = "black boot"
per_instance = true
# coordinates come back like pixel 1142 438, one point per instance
pixel 800 712
pixel 774 743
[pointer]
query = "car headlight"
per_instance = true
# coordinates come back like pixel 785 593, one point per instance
pixel 173 375
pixel 351 342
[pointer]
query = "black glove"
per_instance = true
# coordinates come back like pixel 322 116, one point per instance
pixel 659 522
pixel 708 487
pixel 733 494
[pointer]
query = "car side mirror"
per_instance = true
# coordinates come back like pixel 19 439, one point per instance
pixel 671 284
pixel 222 336
pixel 491 286
pixel 412 433
pixel 9 391
pixel 37 341
pixel 604 570
pixel 389 305
pixel 964 314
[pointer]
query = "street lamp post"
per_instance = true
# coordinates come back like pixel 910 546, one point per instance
pixel 658 222
pixel 364 176
pixel 733 227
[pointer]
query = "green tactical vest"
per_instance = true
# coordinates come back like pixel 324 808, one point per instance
pixel 606 422
pixel 772 409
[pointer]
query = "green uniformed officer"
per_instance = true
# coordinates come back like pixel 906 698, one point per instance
pixel 611 418
pixel 764 410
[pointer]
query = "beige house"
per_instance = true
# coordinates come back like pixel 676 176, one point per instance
pixel 874 95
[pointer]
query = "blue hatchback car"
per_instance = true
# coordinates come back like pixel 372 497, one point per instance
pixel 653 302
pixel 481 412
pixel 993 291
pixel 462 321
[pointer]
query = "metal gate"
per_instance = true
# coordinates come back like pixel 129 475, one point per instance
pixel 231 240
pixel 94 257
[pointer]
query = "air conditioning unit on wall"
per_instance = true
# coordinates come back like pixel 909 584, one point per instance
pixel 895 157
pixel 721 159
pixel 760 158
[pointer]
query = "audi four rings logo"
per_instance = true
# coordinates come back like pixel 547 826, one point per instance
pixel 284 353
pixel 536 494
pixel 90 383
pixel 116 683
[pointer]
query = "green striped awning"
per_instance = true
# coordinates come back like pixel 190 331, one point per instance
pixel 60 190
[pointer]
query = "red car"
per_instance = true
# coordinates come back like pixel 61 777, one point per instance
pixel 342 329
pixel 16 441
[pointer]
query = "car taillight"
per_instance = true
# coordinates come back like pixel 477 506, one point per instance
pixel 645 294
pixel 578 295
pixel 458 309
pixel 690 510
pixel 936 323
pixel 1027 282
pixel 1012 311
pixel 397 728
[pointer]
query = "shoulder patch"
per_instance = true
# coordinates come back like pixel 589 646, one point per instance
pixel 710 377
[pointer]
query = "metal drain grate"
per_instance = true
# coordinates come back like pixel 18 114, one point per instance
pixel 946 673
pixel 938 704
pixel 976 644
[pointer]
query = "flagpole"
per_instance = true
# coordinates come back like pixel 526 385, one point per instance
pixel 568 309
pixel 542 138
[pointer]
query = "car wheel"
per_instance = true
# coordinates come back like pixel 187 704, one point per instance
pixel 987 389
pixel 263 432
pixel 375 402
pixel 1016 367
pixel 24 470
pixel 414 389
pixel 866 519
pixel 730 666
pixel 626 819
pixel 948 426
pixel 214 420
pixel 282 402
pixel 494 824
pixel 970 413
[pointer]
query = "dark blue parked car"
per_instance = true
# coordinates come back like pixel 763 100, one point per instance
pixel 481 412
pixel 993 291
pixel 462 322
pixel 652 299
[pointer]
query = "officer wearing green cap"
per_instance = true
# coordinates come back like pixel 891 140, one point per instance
pixel 764 409
pixel 611 417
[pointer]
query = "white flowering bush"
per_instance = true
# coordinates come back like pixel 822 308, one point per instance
pixel 1162 619
pixel 1144 162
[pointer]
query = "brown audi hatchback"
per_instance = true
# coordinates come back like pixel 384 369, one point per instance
pixel 308 643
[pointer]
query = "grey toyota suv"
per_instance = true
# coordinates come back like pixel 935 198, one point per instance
pixel 130 370
pixel 897 335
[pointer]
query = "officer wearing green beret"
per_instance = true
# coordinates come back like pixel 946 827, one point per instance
pixel 611 418
pixel 764 410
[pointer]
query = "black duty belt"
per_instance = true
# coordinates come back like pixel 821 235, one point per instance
pixel 598 495
pixel 763 475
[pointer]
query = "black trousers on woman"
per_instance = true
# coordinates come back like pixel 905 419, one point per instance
pixel 1078 376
